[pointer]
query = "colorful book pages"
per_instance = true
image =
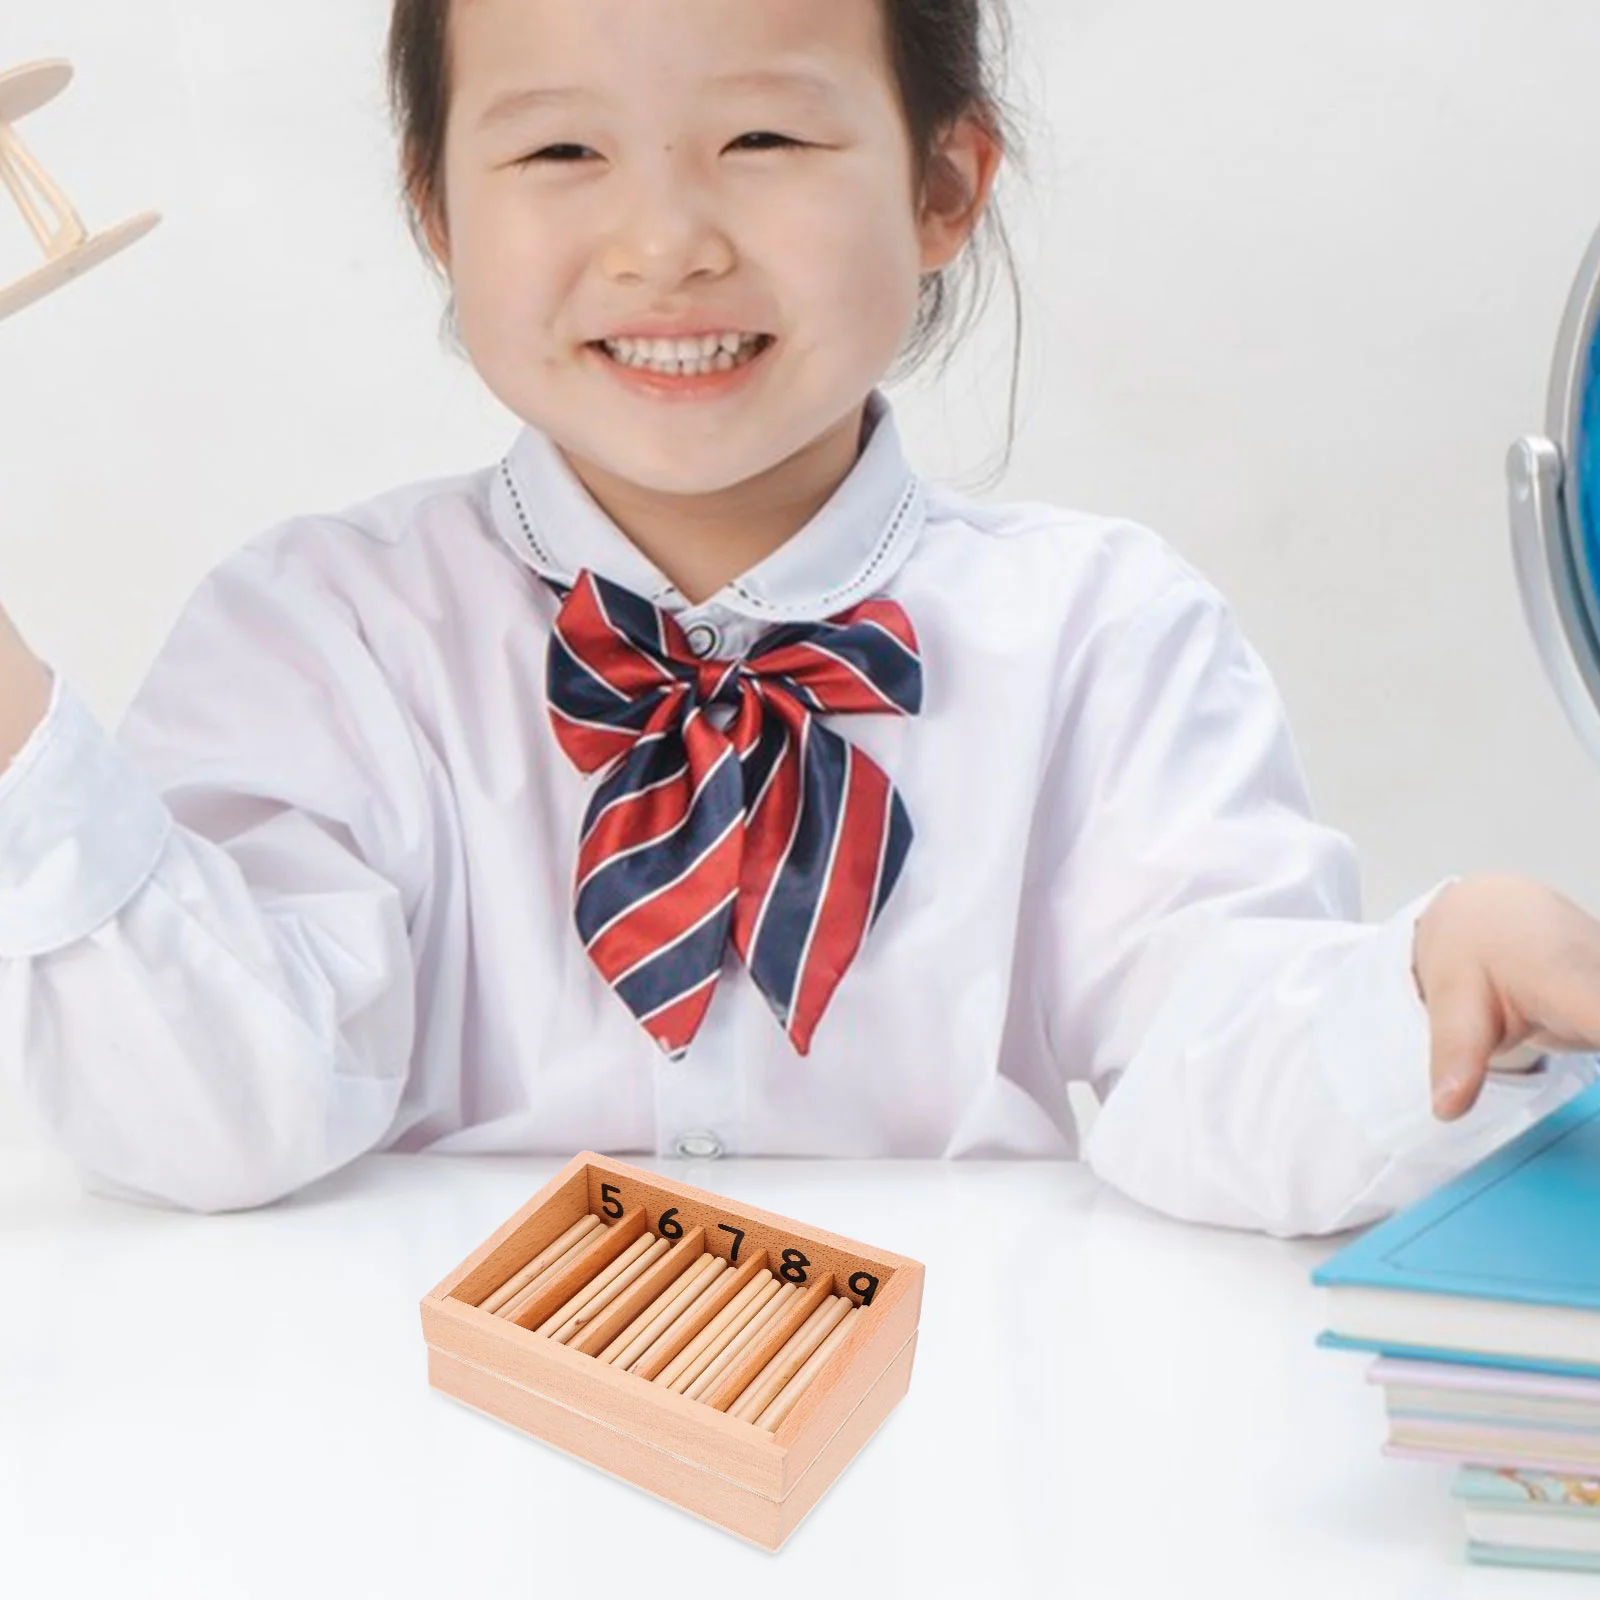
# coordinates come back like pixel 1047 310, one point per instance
pixel 1494 1555
pixel 1511 1486
pixel 1452 1456
pixel 1473 1378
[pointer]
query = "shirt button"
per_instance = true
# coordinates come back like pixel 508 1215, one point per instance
pixel 703 638
pixel 698 1146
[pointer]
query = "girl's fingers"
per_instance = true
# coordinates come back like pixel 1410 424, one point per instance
pixel 1563 1009
pixel 1520 1058
pixel 1465 1028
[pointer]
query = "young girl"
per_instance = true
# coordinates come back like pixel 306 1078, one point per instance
pixel 698 778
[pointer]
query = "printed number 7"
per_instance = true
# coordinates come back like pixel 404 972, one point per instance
pixel 738 1239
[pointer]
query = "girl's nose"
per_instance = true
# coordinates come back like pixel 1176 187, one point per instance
pixel 666 232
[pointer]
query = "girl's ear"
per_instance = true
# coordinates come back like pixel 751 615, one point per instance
pixel 960 177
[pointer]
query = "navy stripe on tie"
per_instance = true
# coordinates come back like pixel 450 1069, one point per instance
pixel 761 762
pixel 653 761
pixel 895 849
pixel 872 652
pixel 578 693
pixel 799 884
pixel 632 616
pixel 671 973
pixel 628 878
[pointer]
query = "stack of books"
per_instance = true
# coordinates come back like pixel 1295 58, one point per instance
pixel 1482 1306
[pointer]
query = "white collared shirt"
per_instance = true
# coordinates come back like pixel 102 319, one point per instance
pixel 315 897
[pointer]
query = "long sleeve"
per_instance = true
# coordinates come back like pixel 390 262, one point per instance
pixel 1261 1054
pixel 205 977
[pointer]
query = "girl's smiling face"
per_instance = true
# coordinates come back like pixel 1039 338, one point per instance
pixel 676 166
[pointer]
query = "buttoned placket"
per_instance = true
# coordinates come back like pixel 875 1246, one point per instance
pixel 700 1098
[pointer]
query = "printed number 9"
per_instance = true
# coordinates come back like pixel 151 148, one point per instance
pixel 865 1285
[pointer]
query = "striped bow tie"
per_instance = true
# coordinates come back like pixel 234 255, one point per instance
pixel 730 809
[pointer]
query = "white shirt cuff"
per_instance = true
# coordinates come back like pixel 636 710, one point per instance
pixel 80 830
pixel 1373 1040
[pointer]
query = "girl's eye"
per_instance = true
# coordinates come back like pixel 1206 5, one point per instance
pixel 780 138
pixel 549 153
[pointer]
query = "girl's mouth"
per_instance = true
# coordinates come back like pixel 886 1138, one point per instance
pixel 709 365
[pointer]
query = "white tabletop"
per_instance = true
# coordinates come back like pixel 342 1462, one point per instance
pixel 1103 1401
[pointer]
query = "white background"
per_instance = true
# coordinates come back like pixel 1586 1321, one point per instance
pixel 1291 282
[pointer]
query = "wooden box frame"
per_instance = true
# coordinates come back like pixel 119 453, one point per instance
pixel 754 1482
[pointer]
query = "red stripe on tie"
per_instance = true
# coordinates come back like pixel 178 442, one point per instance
pixel 635 820
pixel 588 746
pixel 590 636
pixel 887 615
pixel 649 926
pixel 675 1025
pixel 835 685
pixel 592 745
pixel 744 733
pixel 846 906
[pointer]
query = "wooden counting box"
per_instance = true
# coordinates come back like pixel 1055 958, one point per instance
pixel 723 1358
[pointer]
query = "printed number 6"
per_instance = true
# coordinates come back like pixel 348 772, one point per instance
pixel 668 1228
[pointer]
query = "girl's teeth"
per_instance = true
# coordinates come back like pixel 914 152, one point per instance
pixel 714 352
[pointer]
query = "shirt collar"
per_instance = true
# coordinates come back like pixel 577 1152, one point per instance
pixel 854 543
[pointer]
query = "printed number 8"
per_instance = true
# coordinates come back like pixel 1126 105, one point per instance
pixel 794 1267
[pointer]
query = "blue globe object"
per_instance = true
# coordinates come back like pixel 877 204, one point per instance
pixel 1555 513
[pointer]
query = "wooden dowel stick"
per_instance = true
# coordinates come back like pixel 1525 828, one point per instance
pixel 684 1289
pixel 752 1332
pixel 592 1251
pixel 539 1280
pixel 666 1305
pixel 755 1312
pixel 562 1323
pixel 736 1377
pixel 786 1398
pixel 743 1294
pixel 598 1325
pixel 562 1295
pixel 722 1290
pixel 513 1286
pixel 766 1384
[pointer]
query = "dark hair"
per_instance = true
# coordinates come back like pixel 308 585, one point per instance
pixel 943 70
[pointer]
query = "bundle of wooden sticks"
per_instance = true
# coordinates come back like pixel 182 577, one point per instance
pixel 741 1339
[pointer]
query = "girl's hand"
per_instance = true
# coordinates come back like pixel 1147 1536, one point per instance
pixel 25 685
pixel 1503 964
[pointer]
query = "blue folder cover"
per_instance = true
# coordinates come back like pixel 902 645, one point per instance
pixel 1522 1225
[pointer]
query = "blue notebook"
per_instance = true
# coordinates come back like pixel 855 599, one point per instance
pixel 1465 1358
pixel 1501 1263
